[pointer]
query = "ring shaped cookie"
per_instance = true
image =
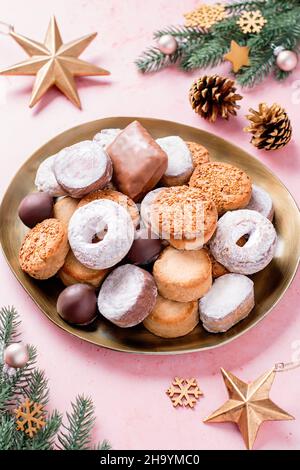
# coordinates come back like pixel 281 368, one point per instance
pixel 100 216
pixel 259 250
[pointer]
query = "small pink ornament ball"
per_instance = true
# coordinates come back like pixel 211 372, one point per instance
pixel 16 355
pixel 287 60
pixel 167 44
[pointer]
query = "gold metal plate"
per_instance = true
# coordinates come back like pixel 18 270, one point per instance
pixel 270 284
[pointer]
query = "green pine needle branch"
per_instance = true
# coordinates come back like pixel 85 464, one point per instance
pixel 30 382
pixel 199 48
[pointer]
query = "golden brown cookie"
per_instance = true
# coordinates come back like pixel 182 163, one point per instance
pixel 218 269
pixel 184 217
pixel 117 197
pixel 64 208
pixel 170 319
pixel 200 154
pixel 228 186
pixel 73 272
pixel 183 276
pixel 44 249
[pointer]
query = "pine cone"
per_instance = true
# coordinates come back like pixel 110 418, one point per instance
pixel 270 126
pixel 213 96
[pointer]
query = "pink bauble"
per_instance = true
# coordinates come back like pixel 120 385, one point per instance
pixel 287 60
pixel 167 44
pixel 16 355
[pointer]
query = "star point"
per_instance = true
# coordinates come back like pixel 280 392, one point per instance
pixel 54 63
pixel 248 405
pixel 238 56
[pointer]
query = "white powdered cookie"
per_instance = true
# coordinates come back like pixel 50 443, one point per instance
pixel 230 299
pixel 180 162
pixel 45 179
pixel 261 202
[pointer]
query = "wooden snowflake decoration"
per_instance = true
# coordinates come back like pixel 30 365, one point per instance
pixel 30 417
pixel 205 16
pixel 251 22
pixel 184 392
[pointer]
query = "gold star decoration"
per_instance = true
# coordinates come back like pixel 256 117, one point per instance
pixel 205 16
pixel 249 405
pixel 238 56
pixel 54 63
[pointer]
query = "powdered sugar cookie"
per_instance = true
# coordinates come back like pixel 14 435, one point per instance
pixel 82 168
pixel 180 164
pixel 106 218
pixel 127 296
pixel 261 202
pixel 45 179
pixel 259 250
pixel 117 197
pixel 106 136
pixel 229 301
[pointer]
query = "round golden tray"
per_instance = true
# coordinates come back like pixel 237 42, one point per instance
pixel 270 284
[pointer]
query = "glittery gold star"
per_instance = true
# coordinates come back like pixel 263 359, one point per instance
pixel 238 56
pixel 54 63
pixel 249 405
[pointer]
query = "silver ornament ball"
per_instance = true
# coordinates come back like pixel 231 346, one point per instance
pixel 16 355
pixel 167 44
pixel 287 60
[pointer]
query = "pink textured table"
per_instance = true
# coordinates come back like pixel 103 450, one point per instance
pixel 133 411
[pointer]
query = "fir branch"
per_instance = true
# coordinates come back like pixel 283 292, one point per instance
pixel 45 438
pixel 259 69
pixel 7 428
pixel 77 435
pixel 152 60
pixel 9 323
pixel 239 6
pixel 181 32
pixel 104 445
pixel 37 389
pixel 208 55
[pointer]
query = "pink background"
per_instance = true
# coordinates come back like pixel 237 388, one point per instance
pixel 133 411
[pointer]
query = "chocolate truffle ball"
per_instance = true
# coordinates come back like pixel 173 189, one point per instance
pixel 77 304
pixel 144 251
pixel 35 208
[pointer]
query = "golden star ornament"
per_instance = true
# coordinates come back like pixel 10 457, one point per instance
pixel 54 63
pixel 249 405
pixel 238 56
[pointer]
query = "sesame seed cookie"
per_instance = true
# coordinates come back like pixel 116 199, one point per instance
pixel 200 154
pixel 227 185
pixel 44 249
pixel 184 217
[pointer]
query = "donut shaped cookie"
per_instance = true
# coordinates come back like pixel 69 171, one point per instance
pixel 259 250
pixel 44 249
pixel 45 179
pixel 82 168
pixel 261 202
pixel 64 208
pixel 117 197
pixel 74 272
pixel 180 164
pixel 182 275
pixel 106 136
pixel 170 319
pixel 110 219
pixel 229 301
pixel 200 154
pixel 127 296
pixel 181 215
pixel 228 186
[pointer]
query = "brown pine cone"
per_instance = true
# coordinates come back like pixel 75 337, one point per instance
pixel 270 126
pixel 213 96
